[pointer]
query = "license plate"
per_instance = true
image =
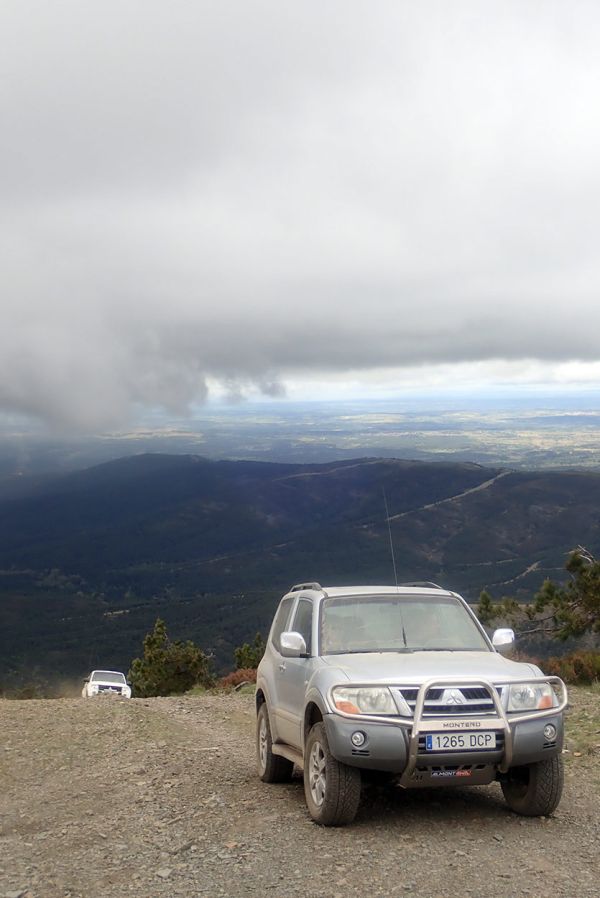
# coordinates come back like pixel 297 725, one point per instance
pixel 460 741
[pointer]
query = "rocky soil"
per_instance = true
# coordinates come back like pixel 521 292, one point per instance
pixel 159 797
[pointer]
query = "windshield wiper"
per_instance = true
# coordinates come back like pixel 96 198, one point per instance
pixel 364 651
pixel 348 652
pixel 437 648
pixel 394 650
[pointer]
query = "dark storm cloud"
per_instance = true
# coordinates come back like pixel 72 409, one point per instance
pixel 250 193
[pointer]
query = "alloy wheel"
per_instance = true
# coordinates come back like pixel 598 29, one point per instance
pixel 317 776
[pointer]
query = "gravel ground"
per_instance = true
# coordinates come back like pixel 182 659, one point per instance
pixel 159 797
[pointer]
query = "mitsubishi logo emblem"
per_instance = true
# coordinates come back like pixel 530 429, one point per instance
pixel 453 697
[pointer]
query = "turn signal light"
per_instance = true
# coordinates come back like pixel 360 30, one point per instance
pixel 347 707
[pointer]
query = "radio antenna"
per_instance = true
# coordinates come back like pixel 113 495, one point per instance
pixel 387 515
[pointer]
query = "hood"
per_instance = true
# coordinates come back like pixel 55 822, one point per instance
pixel 414 667
pixel 108 683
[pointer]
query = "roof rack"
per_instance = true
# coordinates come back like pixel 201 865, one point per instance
pixel 425 584
pixel 300 586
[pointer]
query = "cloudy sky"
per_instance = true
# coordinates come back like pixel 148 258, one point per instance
pixel 277 198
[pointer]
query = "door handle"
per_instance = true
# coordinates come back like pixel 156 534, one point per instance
pixel 282 665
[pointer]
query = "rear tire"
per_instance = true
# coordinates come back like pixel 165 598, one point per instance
pixel 534 790
pixel 332 789
pixel 271 768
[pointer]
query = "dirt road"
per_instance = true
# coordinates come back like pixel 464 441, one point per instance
pixel 159 797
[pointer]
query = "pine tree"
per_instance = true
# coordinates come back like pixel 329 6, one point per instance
pixel 574 608
pixel 247 657
pixel 168 667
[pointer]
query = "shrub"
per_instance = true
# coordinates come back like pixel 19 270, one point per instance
pixel 236 677
pixel 168 667
pixel 249 656
pixel 578 668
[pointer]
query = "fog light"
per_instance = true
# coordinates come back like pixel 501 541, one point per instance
pixel 550 732
pixel 357 739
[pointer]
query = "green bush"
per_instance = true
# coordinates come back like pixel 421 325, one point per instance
pixel 167 667
pixel 578 668
pixel 248 656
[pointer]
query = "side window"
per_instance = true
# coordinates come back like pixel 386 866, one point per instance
pixel 303 622
pixel 280 621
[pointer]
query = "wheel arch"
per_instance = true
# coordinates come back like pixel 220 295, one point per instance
pixel 260 699
pixel 312 714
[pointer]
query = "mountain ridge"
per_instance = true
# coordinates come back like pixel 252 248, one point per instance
pixel 211 545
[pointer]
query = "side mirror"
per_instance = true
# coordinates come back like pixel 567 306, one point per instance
pixel 86 680
pixel 292 645
pixel 503 640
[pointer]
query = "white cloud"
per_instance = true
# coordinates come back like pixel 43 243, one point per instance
pixel 254 193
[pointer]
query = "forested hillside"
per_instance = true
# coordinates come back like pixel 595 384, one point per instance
pixel 88 561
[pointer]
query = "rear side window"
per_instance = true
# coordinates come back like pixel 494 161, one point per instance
pixel 280 621
pixel 303 622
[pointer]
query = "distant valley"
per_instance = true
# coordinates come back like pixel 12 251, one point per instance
pixel 88 560
pixel 518 430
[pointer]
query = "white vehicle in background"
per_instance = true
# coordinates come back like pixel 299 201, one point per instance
pixel 106 682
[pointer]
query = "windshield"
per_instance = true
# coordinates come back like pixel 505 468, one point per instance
pixel 108 676
pixel 397 624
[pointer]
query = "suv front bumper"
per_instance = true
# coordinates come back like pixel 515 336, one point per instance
pixel 396 744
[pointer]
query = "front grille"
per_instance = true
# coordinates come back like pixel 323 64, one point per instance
pixel 445 702
pixel 109 689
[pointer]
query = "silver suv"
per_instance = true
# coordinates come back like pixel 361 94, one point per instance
pixel 405 681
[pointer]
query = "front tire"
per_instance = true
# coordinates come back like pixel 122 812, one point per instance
pixel 271 768
pixel 534 790
pixel 332 789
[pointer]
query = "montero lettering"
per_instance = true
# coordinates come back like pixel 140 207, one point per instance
pixel 462 724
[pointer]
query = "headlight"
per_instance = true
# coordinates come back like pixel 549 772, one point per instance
pixel 530 697
pixel 364 700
